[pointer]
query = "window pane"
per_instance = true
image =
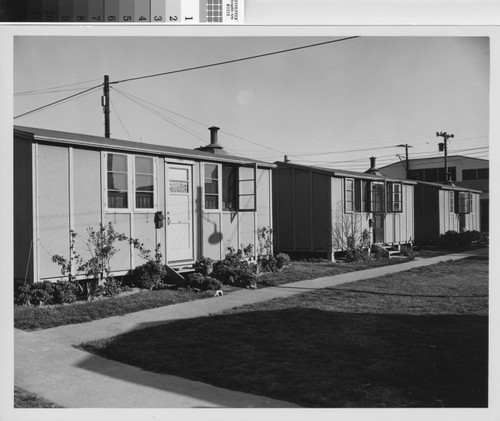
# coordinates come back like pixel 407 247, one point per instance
pixel 117 181
pixel 117 200
pixel 211 187
pixel 143 165
pixel 178 174
pixel 229 185
pixel 247 202
pixel 246 173
pixel 483 173
pixel 144 200
pixel 211 171
pixel 247 187
pixel 211 201
pixel 117 162
pixel 179 187
pixel 144 182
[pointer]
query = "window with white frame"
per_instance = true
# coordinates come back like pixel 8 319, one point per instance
pixel 451 201
pixel 117 181
pixel 352 195
pixel 229 187
pixel 130 175
pixel 144 182
pixel 378 198
pixel 463 202
pixel 394 197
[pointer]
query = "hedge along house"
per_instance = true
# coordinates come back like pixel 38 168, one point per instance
pixel 194 203
pixel 444 207
pixel 316 209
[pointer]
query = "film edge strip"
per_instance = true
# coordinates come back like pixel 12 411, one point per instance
pixel 123 11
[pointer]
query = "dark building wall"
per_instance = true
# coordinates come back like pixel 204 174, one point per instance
pixel 426 213
pixel 23 210
pixel 302 210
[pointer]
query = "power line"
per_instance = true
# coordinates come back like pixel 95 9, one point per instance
pixel 221 63
pixel 57 102
pixel 120 120
pixel 54 87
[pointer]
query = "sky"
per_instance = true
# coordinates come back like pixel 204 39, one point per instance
pixel 332 105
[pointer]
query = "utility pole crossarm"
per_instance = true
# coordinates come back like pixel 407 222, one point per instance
pixel 406 146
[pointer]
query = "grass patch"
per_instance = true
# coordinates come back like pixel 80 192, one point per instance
pixel 35 318
pixel 371 343
pixel 303 270
pixel 44 317
pixel 24 399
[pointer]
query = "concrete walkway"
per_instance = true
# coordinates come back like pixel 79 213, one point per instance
pixel 47 364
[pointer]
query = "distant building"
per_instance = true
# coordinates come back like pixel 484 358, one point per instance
pixel 471 173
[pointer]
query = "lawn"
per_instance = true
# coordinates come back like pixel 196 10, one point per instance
pixel 36 318
pixel 414 339
pixel 24 399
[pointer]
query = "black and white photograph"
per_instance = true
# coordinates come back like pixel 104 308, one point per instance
pixel 281 221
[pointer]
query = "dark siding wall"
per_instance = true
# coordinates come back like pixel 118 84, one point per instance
pixel 283 210
pixel 321 212
pixel 426 213
pixel 23 210
pixel 302 206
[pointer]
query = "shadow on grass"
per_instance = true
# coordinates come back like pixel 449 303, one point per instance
pixel 313 358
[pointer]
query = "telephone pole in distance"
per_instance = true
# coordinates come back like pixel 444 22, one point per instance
pixel 444 147
pixel 406 146
pixel 105 105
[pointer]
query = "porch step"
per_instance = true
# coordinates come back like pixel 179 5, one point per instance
pixel 393 251
pixel 174 275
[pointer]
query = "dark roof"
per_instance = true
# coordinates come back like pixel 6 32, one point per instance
pixel 103 143
pixel 442 186
pixel 436 158
pixel 341 173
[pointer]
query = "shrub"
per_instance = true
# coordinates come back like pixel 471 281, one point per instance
pixel 111 287
pixel 407 250
pixel 46 292
pixel 65 292
pixel 235 270
pixel 203 283
pixel 150 275
pixel 357 255
pixel 282 260
pixel 274 263
pixel 452 240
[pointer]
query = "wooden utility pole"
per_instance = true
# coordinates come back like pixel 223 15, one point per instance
pixel 105 105
pixel 444 147
pixel 406 146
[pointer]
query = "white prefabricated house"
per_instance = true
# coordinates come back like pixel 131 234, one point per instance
pixel 310 203
pixel 194 203
pixel 445 207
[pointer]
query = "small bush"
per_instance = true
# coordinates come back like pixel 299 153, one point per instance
pixel 150 275
pixel 357 255
pixel 46 292
pixel 452 240
pixel 407 250
pixel 203 283
pixel 235 270
pixel 111 287
pixel 282 260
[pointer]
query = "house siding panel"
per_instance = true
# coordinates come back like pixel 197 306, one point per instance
pixel 285 211
pixel 302 206
pixel 321 227
pixel 23 220
pixel 87 196
pixel 53 208
pixel 264 198
pixel 122 259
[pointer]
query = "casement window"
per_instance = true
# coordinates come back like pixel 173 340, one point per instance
pixel 451 201
pixel 378 198
pixel 352 195
pixel 229 187
pixel 118 182
pixel 130 182
pixel 463 202
pixel 394 197
pixel 476 174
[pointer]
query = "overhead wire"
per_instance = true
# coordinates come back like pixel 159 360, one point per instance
pixel 54 87
pixel 120 120
pixel 221 63
pixel 57 102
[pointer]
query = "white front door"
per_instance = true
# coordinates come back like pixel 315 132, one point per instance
pixel 179 218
